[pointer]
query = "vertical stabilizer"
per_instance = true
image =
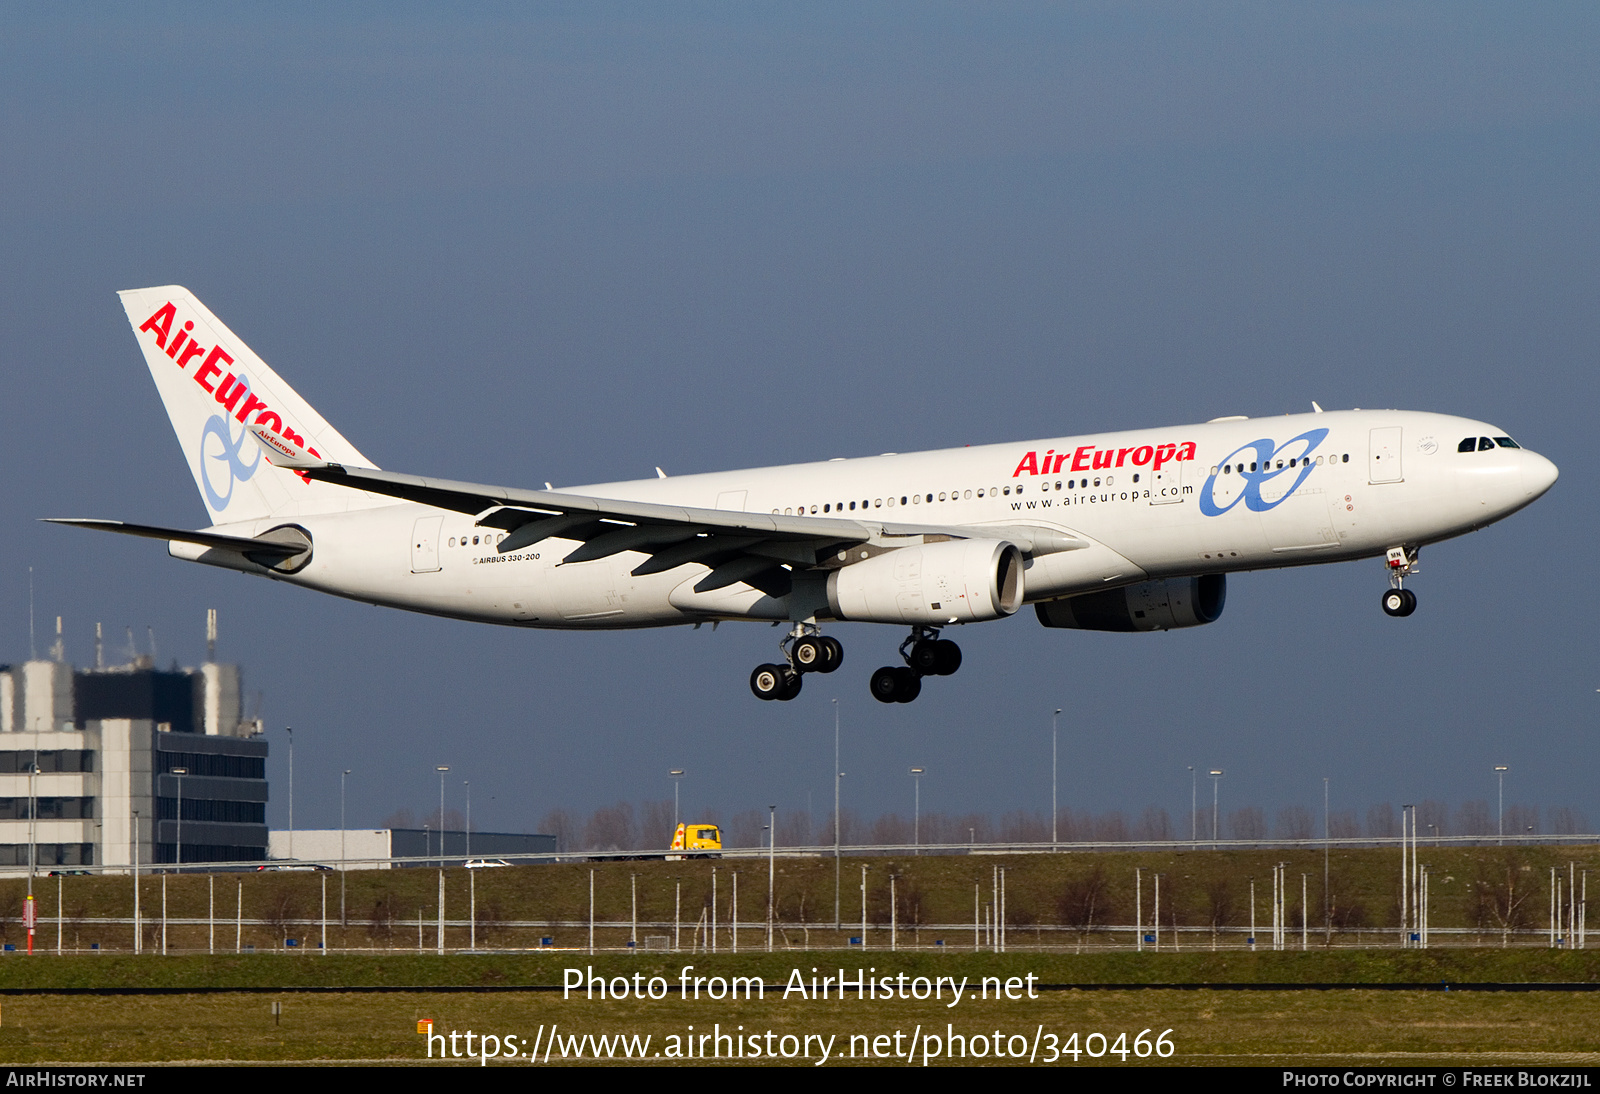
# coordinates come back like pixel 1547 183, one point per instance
pixel 214 389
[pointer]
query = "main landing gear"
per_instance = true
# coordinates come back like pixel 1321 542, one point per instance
pixel 805 650
pixel 1402 563
pixel 925 654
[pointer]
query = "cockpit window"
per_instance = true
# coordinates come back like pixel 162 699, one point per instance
pixel 1468 445
pixel 1485 444
pixel 1506 442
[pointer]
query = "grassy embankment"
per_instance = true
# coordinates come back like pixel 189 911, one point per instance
pixel 1061 902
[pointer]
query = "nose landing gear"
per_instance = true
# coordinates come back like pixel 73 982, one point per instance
pixel 925 654
pixel 1402 563
pixel 805 650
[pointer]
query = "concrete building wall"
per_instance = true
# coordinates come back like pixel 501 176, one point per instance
pixel 322 845
pixel 219 702
pixel 125 779
pixel 47 696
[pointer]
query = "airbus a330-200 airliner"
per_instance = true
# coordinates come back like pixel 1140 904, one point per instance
pixel 1133 531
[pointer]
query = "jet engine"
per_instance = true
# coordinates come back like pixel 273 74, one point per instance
pixel 956 581
pixel 1148 606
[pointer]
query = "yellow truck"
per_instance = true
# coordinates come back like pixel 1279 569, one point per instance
pixel 697 841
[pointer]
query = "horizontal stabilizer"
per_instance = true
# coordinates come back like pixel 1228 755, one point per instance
pixel 243 544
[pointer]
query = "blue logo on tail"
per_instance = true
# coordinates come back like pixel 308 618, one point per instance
pixel 226 451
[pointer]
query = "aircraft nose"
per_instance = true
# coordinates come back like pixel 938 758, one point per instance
pixel 1538 474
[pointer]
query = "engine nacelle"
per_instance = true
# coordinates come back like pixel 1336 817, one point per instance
pixel 957 581
pixel 1149 606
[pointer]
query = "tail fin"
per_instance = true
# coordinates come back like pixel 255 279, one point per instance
pixel 215 389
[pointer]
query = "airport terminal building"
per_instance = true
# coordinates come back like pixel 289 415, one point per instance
pixel 94 763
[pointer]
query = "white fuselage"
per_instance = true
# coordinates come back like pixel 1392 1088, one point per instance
pixel 1156 503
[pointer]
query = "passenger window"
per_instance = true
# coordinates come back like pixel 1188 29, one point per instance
pixel 852 506
pixel 878 504
pixel 452 541
pixel 825 509
pixel 1008 491
pixel 1136 477
pixel 1347 457
pixel 969 493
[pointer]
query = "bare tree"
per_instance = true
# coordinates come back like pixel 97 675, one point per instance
pixel 655 824
pixel 1474 818
pixel 1567 821
pixel 1082 899
pixel 611 828
pixel 1248 823
pixel 380 924
pixel 1219 906
pixel 890 828
pixel 1294 822
pixel 560 824
pixel 1500 895
pixel 1343 825
pixel 1381 822
pixel 794 829
pixel 1522 820
pixel 1154 824
pixel 1111 827
pixel 1433 818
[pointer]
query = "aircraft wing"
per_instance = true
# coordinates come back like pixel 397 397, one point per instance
pixel 756 548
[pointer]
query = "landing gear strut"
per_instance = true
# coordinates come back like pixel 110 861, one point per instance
pixel 1402 563
pixel 925 654
pixel 805 649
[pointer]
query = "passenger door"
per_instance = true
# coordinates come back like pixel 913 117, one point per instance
pixel 425 545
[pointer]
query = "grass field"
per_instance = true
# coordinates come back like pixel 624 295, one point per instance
pixel 1208 1026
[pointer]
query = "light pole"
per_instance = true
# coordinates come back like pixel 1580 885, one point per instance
pixel 466 785
pixel 1216 777
pixel 290 731
pixel 772 866
pixel 837 776
pixel 1055 810
pixel 916 811
pixel 344 866
pixel 1500 774
pixel 180 772
pixel 441 769
pixel 1194 809
pixel 676 775
pixel 138 929
pixel 1327 904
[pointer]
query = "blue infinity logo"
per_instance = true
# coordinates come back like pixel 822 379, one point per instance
pixel 229 456
pixel 1266 454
